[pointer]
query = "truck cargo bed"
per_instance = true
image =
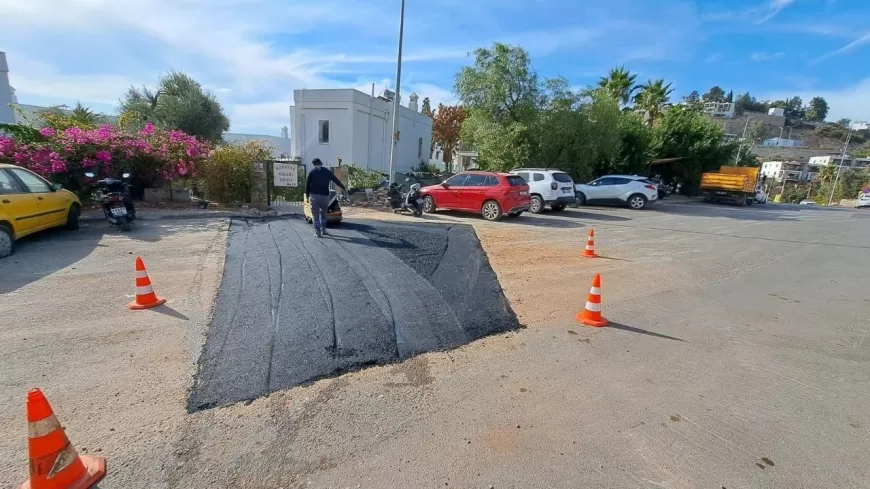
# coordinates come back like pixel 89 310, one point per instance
pixel 731 183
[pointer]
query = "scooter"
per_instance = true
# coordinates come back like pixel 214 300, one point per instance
pixel 406 202
pixel 117 203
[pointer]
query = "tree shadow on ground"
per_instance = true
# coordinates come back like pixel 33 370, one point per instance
pixel 44 253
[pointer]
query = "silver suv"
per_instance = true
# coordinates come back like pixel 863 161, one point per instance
pixel 547 187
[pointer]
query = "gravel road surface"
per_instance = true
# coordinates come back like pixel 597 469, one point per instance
pixel 293 308
pixel 737 357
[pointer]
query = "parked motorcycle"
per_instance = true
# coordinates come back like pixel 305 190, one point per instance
pixel 117 203
pixel 410 201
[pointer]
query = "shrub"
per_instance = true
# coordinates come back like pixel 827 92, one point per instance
pixel 64 156
pixel 361 178
pixel 225 176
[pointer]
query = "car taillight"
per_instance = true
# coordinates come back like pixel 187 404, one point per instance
pixel 651 187
pixel 114 198
pixel 554 185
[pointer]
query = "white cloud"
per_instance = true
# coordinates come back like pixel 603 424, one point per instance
pixel 765 56
pixel 865 39
pixel 774 7
pixel 253 53
pixel 851 102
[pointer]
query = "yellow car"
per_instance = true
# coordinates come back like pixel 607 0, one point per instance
pixel 29 203
pixel 333 213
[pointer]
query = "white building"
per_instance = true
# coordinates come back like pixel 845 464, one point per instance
pixel 782 142
pixel 281 146
pixel 791 170
pixel 345 123
pixel 848 162
pixel 464 158
pixel 7 93
pixel 719 109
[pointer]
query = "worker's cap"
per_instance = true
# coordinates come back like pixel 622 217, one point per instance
pixel 316 162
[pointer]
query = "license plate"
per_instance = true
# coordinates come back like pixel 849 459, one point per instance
pixel 523 192
pixel 118 211
pixel 566 190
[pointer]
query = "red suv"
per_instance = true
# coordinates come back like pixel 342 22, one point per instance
pixel 490 194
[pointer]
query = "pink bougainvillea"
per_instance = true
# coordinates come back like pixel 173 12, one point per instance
pixel 107 150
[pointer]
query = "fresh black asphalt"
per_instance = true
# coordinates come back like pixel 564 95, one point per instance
pixel 294 308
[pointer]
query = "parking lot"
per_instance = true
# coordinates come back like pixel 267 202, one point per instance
pixel 735 357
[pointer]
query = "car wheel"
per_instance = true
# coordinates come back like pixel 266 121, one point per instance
pixel 491 211
pixel 6 242
pixel 428 204
pixel 579 199
pixel 558 208
pixel 515 214
pixel 536 206
pixel 72 217
pixel 125 225
pixel 637 202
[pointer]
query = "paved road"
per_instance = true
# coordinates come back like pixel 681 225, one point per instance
pixel 292 308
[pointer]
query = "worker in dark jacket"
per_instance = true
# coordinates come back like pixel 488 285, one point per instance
pixel 317 191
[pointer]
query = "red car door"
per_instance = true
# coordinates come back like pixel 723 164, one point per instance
pixel 471 195
pixel 447 197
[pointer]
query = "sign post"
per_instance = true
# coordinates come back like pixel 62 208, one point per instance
pixel 286 174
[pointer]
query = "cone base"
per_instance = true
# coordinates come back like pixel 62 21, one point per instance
pixel 95 469
pixel 590 322
pixel 136 306
pixel 589 255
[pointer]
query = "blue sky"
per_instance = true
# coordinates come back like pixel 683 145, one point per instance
pixel 253 53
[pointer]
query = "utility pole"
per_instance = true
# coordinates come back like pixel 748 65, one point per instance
pixel 740 146
pixel 395 137
pixel 852 127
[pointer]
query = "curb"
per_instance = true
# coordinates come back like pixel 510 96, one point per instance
pixel 170 217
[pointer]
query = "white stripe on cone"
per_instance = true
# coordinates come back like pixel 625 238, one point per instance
pixel 144 290
pixel 590 247
pixel 141 274
pixel 590 306
pixel 595 291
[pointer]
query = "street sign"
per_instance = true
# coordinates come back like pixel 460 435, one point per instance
pixel 286 175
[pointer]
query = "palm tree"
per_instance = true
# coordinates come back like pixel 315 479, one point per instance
pixel 618 84
pixel 652 96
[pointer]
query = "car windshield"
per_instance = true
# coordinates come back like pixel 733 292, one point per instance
pixel 562 177
pixel 515 181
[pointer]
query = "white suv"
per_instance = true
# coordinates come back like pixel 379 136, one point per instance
pixel 631 190
pixel 548 187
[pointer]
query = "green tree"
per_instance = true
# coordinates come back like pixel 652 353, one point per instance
pixel 715 94
pixel 730 97
pixel 60 117
pixel 502 97
pixel 179 102
pixel 501 84
pixel 695 139
pixel 426 109
pixel 619 84
pixel 817 110
pixel 635 150
pixel 756 132
pixel 651 96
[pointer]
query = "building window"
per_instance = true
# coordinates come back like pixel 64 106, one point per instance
pixel 419 148
pixel 323 132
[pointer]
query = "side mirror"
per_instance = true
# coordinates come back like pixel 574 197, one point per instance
pixel 445 184
pixel 89 175
pixel 56 187
pixel 125 175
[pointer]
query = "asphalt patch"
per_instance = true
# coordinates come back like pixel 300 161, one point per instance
pixel 293 308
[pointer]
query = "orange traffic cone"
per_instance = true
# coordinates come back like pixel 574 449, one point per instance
pixel 54 463
pixel 591 314
pixel 145 296
pixel 590 245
